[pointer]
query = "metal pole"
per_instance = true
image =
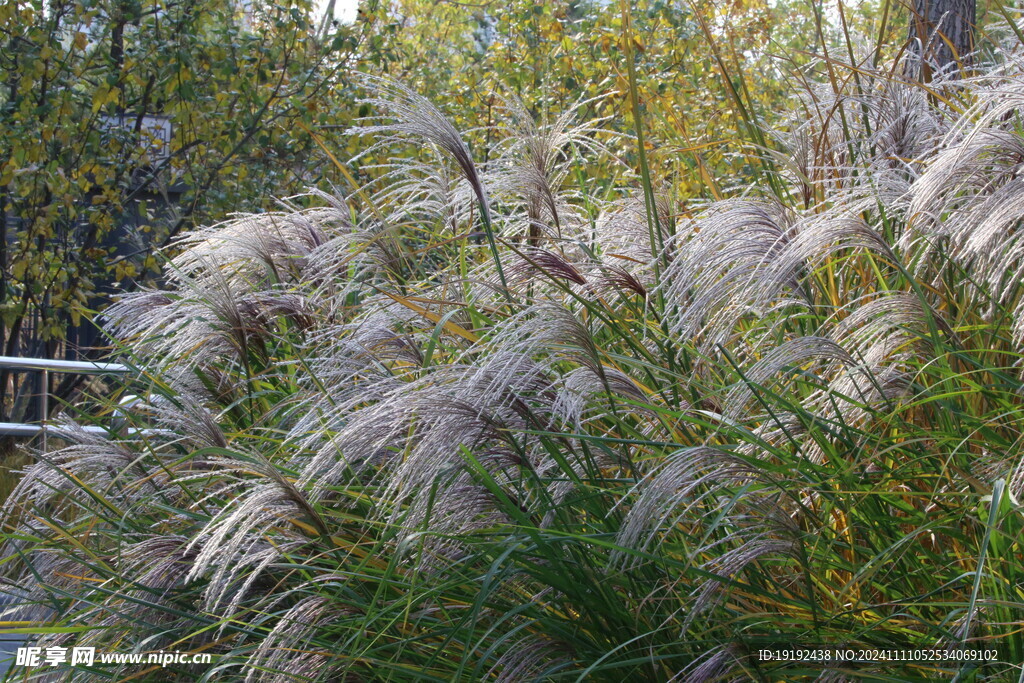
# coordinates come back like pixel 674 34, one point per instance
pixel 84 367
pixel 44 404
pixel 45 366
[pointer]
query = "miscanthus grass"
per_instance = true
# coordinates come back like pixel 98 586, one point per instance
pixel 474 422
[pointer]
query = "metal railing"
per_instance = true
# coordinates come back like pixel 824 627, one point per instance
pixel 45 366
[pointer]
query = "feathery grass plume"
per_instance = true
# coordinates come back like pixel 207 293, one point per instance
pixel 416 192
pixel 529 658
pixel 905 129
pixel 818 237
pixel 860 148
pixel 534 263
pixel 233 543
pixel 968 200
pixel 227 282
pixel 685 481
pixel 273 659
pixel 870 323
pixel 580 399
pixel 354 255
pixel 814 148
pixel 533 166
pixel 619 282
pixel 714 665
pixel 416 435
pixel 751 547
pixel 89 457
pixel 262 248
pixel 880 339
pixel 714 278
pixel 412 115
pixel 622 233
pixel 792 356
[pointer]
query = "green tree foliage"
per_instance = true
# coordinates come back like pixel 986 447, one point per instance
pixel 710 75
pixel 84 86
pixel 692 61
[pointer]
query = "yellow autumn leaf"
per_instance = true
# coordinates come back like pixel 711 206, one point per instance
pixel 102 96
pixel 451 327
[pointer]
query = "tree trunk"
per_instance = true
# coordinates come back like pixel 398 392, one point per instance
pixel 941 35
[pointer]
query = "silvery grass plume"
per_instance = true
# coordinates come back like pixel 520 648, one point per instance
pixel 804 355
pixel 411 192
pixel 409 116
pixel 862 148
pixel 532 170
pixel 967 204
pixel 417 437
pixel 875 131
pixel 231 284
pixel 688 480
pixel 273 659
pixel 623 233
pixel 539 272
pixel 528 659
pixel 711 282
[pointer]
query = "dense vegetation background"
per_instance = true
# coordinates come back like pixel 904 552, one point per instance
pixel 614 341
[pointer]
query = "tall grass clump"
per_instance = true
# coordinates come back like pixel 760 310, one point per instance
pixel 483 422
